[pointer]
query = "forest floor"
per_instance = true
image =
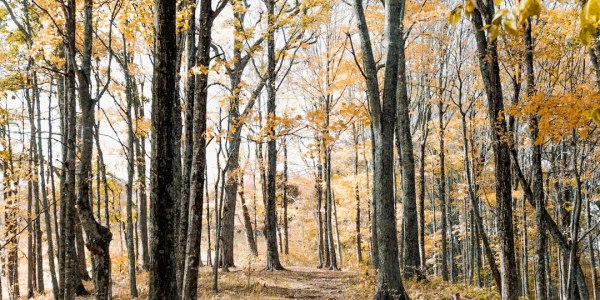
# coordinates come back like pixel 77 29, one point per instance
pixel 308 282
pixel 295 282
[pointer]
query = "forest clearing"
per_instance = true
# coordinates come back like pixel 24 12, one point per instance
pixel 299 149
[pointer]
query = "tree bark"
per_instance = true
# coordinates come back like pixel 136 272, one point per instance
pixel 273 262
pixel 163 196
pixel 389 283
pixel 490 70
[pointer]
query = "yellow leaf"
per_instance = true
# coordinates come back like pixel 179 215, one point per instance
pixel 510 26
pixel 493 33
pixel 498 16
pixel 594 114
pixel 585 35
pixel 469 7
pixel 497 2
pixel 590 13
pixel 529 8
pixel 455 15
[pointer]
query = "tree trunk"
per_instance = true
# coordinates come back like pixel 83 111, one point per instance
pixel 359 257
pixel 44 197
pixel 247 222
pixel 286 248
pixel 143 197
pixel 490 70
pixel 188 140
pixel 98 237
pixel 537 184
pixel 163 196
pixel 412 259
pixel 389 283
pixel 129 237
pixel 271 203
pixel 442 195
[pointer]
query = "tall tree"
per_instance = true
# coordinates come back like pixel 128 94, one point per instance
pixel 273 262
pixel 383 114
pixel 163 279
pixel 490 72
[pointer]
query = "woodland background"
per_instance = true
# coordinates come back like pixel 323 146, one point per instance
pixel 177 149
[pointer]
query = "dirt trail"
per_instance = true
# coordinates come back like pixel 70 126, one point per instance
pixel 293 283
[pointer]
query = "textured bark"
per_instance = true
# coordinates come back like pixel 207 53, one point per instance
pixel 273 262
pixel 68 228
pixel 442 195
pixel 389 283
pixel 286 247
pixel 37 231
pixel 359 256
pixel 421 206
pixel 373 95
pixel 194 216
pixel 235 126
pixel 163 196
pixel 412 259
pixel 247 221
pixel 537 183
pixel 330 243
pixel 188 129
pixel 44 198
pixel 98 236
pixel 188 139
pixel 490 70
pixel 10 221
pixel 323 253
pixel 129 236
pixel 143 197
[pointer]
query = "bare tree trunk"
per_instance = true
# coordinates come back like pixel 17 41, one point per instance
pixel 143 197
pixel 359 257
pixel 286 248
pixel 129 237
pixel 247 222
pixel 442 195
pixel 44 194
pixel 163 196
pixel 270 207
pixel 538 177
pixel 389 283
pixel 10 220
pixel 98 237
pixel 188 139
pixel 412 259
pixel 490 70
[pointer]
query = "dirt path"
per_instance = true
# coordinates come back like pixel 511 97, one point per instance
pixel 293 283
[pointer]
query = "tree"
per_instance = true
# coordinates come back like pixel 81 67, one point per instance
pixel 163 280
pixel 389 283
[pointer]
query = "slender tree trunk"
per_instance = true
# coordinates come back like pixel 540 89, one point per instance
pixel 44 197
pixel 490 70
pixel 270 208
pixel 247 222
pixel 359 256
pixel 442 195
pixel 389 283
pixel 286 248
pixel 98 237
pixel 129 237
pixel 188 140
pixel 143 197
pixel 323 253
pixel 537 176
pixel 412 259
pixel 163 196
